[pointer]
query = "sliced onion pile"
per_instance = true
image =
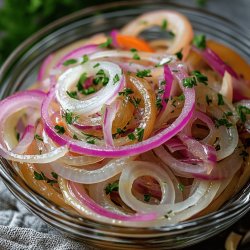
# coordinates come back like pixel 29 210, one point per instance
pixel 123 131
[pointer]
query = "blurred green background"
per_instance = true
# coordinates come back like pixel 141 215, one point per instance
pixel 21 18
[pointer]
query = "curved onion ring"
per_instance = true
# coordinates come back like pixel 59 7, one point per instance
pixel 94 102
pixel 13 104
pixel 176 22
pixel 129 150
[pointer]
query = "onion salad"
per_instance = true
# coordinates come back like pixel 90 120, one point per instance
pixel 134 129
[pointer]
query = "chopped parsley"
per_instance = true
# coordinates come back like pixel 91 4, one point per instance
pixel 179 54
pixel 85 58
pixel 107 43
pixel 101 78
pixel 220 99
pixel 189 82
pixel 72 94
pixel 222 122
pixel 131 136
pixel 38 176
pixel 164 24
pixel 55 175
pixel 38 137
pixel 111 187
pixel 199 41
pixel 135 101
pixel 70 117
pixel 208 100
pixel 120 131
pixel 69 62
pixel 81 81
pixel 42 177
pixel 116 79
pixel 147 197
pixel 180 186
pixel 90 140
pixel 59 129
pixel 163 82
pixel 171 33
pixel 181 97
pixel 75 137
pixel 242 112
pixel 158 103
pixel 88 91
pixel 135 54
pixel 96 65
pixel 200 77
pixel 143 73
pixel 139 133
pixel 126 92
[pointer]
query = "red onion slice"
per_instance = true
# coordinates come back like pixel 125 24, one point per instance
pixel 13 104
pixel 94 102
pixel 109 116
pixel 26 139
pixel 128 150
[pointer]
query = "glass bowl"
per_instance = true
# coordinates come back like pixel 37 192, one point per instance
pixel 19 72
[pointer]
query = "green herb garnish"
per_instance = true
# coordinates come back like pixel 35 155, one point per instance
pixel 96 65
pixel 70 117
pixel 107 43
pixel 135 101
pixel 126 92
pixel 164 24
pixel 158 103
pixel 147 197
pixel 75 137
pixel 111 187
pixel 69 62
pixel 101 78
pixel 181 97
pixel 72 94
pixel 200 77
pixel 38 137
pixel 180 186
pixel 242 112
pixel 223 122
pixel 143 73
pixel 81 81
pixel 116 79
pixel 59 129
pixel 131 136
pixel 199 41
pixel 189 82
pixel 85 58
pixel 55 175
pixel 220 99
pixel 171 33
pixel 179 54
pixel 42 177
pixel 139 133
pixel 88 91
